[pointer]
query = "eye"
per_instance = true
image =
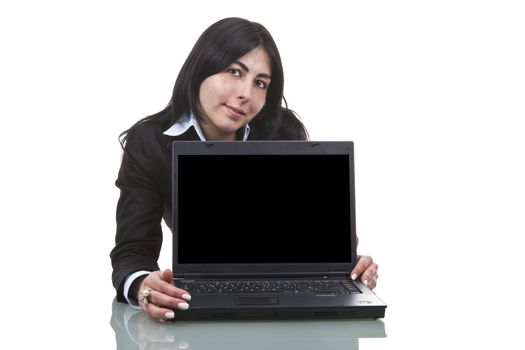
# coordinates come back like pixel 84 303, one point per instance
pixel 261 84
pixel 234 72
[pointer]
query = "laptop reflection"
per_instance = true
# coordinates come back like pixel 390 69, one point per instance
pixel 134 330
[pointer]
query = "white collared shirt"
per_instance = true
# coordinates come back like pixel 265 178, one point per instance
pixel 189 120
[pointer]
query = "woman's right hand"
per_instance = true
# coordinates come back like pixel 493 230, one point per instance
pixel 158 297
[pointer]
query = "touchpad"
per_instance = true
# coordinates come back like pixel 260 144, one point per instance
pixel 257 300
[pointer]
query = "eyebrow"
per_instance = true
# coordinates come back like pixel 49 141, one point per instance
pixel 245 68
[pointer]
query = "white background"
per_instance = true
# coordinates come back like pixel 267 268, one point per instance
pixel 432 93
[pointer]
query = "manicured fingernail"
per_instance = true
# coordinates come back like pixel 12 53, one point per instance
pixel 186 296
pixel 365 282
pixel 169 315
pixel 354 276
pixel 183 306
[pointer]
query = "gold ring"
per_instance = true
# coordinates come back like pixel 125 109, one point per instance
pixel 144 296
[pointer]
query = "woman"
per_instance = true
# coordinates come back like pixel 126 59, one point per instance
pixel 229 88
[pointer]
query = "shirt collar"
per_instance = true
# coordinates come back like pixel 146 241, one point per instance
pixel 189 120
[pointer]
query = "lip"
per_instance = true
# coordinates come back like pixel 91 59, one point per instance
pixel 236 112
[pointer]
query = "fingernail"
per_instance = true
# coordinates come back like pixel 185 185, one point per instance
pixel 186 297
pixel 169 315
pixel 354 276
pixel 183 306
pixel 365 282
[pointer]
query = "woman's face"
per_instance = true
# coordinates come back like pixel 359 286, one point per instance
pixel 231 98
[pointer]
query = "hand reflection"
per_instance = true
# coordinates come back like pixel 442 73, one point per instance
pixel 134 330
pixel 158 337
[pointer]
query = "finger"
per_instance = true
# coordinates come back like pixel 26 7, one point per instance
pixel 372 282
pixel 369 276
pixel 163 300
pixel 167 275
pixel 363 262
pixel 166 287
pixel 158 313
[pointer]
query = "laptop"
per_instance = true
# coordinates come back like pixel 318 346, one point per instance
pixel 266 230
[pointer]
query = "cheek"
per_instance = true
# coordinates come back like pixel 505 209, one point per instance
pixel 205 94
pixel 259 101
pixel 211 91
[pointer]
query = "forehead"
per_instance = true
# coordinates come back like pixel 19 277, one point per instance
pixel 257 61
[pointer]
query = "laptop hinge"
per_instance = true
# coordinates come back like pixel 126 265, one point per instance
pixel 199 275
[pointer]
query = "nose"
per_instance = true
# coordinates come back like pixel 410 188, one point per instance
pixel 244 92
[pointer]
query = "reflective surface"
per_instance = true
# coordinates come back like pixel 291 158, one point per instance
pixel 133 330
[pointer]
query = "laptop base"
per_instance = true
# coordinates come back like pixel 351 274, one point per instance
pixel 261 314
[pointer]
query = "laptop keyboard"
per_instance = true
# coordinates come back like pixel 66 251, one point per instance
pixel 215 287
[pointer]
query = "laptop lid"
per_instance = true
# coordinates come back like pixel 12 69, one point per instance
pixel 263 208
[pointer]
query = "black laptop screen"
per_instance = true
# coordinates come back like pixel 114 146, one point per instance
pixel 242 209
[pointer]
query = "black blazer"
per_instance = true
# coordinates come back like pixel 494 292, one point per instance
pixel 144 180
pixel 145 198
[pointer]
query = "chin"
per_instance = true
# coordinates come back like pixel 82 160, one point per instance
pixel 232 127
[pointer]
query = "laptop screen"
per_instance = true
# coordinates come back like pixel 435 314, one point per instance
pixel 272 208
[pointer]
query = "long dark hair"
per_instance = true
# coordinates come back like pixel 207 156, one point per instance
pixel 217 47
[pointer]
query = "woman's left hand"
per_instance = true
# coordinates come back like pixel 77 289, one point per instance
pixel 365 270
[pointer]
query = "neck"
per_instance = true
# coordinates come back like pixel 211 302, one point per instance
pixel 215 135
